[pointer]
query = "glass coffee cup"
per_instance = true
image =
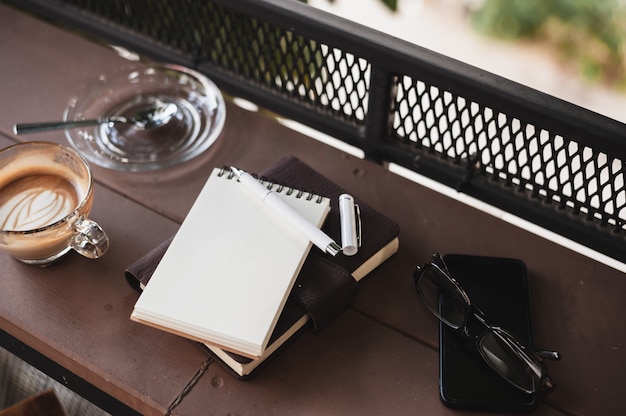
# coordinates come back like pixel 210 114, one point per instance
pixel 46 195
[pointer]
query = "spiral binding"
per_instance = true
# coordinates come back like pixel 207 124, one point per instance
pixel 276 187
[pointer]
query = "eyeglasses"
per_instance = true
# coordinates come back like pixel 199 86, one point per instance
pixel 516 363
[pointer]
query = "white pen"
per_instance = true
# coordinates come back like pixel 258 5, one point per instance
pixel 317 236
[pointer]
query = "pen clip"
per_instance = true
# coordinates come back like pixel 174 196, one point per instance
pixel 357 216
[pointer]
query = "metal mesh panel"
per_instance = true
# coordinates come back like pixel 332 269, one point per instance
pixel 307 71
pixel 280 60
pixel 515 152
pixel 539 158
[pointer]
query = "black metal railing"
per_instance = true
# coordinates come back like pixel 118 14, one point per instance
pixel 538 157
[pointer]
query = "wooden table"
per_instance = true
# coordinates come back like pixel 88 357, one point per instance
pixel 379 357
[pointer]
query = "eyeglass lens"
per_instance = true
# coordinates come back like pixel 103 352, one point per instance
pixel 433 283
pixel 497 350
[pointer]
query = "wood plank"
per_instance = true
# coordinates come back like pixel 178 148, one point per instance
pixel 355 366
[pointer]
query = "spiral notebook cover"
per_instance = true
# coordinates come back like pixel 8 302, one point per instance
pixel 226 275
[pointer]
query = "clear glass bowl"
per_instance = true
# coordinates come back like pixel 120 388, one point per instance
pixel 195 126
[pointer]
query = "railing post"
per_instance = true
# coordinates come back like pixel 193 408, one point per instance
pixel 379 119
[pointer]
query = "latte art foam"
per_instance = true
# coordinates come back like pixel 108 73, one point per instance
pixel 35 201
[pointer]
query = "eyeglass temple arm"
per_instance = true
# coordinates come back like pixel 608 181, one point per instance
pixel 550 355
pixel 438 260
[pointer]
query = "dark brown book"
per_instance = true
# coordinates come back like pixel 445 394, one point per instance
pixel 325 285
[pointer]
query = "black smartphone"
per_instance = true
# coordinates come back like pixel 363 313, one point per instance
pixel 499 287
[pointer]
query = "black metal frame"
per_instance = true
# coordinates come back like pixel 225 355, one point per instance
pixel 550 128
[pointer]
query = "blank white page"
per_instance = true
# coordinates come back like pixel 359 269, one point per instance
pixel 229 269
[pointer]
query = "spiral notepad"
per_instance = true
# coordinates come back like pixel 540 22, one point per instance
pixel 226 276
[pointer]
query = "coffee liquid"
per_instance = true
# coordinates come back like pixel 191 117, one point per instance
pixel 34 201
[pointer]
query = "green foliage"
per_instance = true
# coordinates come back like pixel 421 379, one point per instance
pixel 590 33
pixel 392 4
pixel 510 19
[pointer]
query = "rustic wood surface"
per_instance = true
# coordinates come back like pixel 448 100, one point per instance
pixel 380 357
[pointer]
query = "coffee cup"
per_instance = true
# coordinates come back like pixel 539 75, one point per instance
pixel 46 195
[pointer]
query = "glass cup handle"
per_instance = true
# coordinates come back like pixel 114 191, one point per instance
pixel 89 239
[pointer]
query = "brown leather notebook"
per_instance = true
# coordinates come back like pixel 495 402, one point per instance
pixel 325 285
